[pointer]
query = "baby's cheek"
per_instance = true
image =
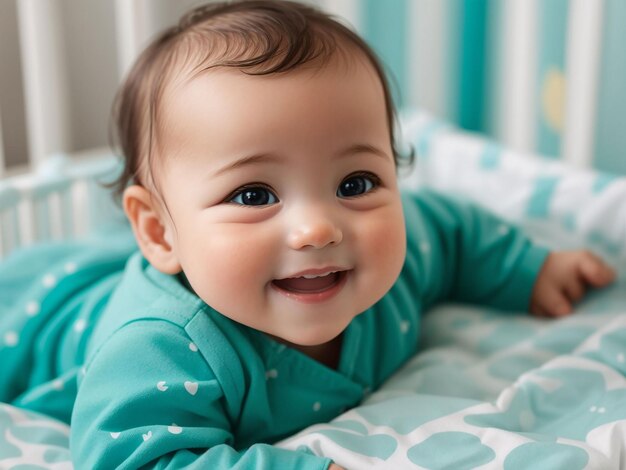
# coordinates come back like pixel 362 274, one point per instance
pixel 227 267
pixel 384 245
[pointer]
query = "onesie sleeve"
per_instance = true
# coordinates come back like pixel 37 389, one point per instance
pixel 149 399
pixel 468 254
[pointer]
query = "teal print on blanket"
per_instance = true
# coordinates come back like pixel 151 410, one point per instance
pixel 503 337
pixel 491 157
pixel 568 222
pixel 29 439
pixel 405 414
pixel 511 367
pixel 380 446
pixel 599 238
pixel 449 379
pixel 546 456
pixel 351 425
pixel 6 448
pixel 602 181
pixel 563 339
pixel 425 137
pixel 456 450
pixel 27 467
pixel 57 455
pixel 612 351
pixel 539 202
pixel 36 435
pixel 575 402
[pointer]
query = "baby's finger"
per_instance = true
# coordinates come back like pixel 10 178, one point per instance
pixel 596 272
pixel 575 289
pixel 555 303
pixel 536 310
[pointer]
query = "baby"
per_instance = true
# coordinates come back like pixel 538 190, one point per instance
pixel 281 273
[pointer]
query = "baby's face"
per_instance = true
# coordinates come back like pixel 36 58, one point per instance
pixel 286 214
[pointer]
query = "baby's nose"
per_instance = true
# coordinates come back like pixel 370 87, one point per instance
pixel 314 233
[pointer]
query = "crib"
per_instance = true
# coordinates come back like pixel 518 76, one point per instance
pixel 510 104
pixel 511 88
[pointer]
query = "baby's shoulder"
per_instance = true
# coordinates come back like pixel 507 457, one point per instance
pixel 143 296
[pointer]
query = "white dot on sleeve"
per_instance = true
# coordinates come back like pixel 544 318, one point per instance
pixel 70 267
pixel 80 325
pixel 49 280
pixel 32 308
pixel 11 338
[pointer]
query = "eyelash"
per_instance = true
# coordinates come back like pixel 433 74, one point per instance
pixel 241 190
pixel 374 180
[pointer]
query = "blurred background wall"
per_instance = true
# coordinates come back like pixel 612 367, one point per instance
pixel 545 76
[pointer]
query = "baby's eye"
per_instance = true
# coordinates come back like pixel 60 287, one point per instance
pixel 253 196
pixel 357 185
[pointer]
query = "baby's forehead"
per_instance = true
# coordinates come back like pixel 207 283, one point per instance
pixel 345 62
pixel 215 94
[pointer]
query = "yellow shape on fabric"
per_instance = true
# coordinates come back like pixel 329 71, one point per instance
pixel 553 99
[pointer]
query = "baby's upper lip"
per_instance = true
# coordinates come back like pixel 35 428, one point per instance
pixel 317 271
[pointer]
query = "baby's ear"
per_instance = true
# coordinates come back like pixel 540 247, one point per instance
pixel 150 229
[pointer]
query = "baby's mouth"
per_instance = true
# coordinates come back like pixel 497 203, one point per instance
pixel 310 284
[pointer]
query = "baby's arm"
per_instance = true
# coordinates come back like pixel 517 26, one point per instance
pixel 150 399
pixel 564 278
pixel 472 256
pixel 476 257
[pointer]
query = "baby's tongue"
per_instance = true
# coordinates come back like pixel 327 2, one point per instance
pixel 300 284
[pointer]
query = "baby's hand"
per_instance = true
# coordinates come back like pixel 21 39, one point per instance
pixel 334 466
pixel 564 279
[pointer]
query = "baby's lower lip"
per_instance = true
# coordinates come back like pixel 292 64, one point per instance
pixel 315 296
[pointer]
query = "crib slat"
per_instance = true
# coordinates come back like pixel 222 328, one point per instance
pixel 348 10
pixel 2 160
pixel 41 211
pixel 135 24
pixel 519 63
pixel 584 50
pixel 45 78
pixel 429 46
pixel 9 230
pixel 80 208
pixel 65 200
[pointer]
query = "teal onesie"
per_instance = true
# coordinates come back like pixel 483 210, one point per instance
pixel 160 379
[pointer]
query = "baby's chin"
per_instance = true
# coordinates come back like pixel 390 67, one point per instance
pixel 310 337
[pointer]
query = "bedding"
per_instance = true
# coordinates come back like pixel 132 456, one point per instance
pixel 486 390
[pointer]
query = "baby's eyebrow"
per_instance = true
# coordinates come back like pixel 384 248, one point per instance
pixel 273 158
pixel 363 148
pixel 249 160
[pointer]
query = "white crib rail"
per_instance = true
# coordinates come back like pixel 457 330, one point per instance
pixel 63 199
pixel 2 162
pixel 583 65
pixel 45 78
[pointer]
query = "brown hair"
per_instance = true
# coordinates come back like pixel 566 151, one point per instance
pixel 260 37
